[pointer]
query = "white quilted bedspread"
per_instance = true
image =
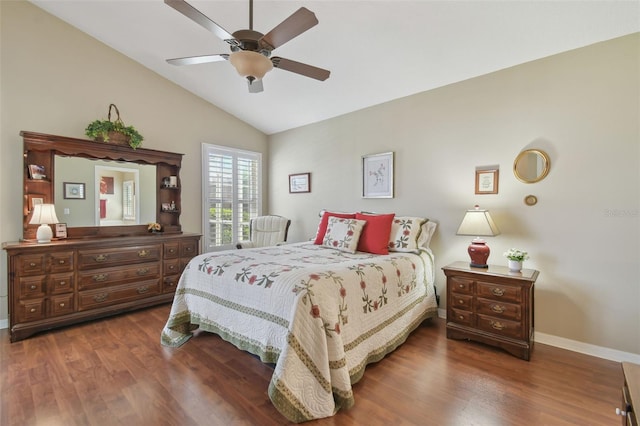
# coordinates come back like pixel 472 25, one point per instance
pixel 319 314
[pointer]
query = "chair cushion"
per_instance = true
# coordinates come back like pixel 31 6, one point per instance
pixel 268 230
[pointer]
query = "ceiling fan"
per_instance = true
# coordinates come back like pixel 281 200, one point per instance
pixel 251 50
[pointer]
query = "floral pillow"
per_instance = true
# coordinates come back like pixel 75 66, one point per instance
pixel 343 234
pixel 404 233
pixel 322 226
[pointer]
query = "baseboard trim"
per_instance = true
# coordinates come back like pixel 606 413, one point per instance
pixel 575 346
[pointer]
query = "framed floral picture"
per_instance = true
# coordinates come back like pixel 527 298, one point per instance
pixel 377 175
pixel 73 190
pixel 487 181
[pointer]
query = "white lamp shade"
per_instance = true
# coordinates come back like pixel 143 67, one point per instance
pixel 44 214
pixel 478 222
pixel 250 64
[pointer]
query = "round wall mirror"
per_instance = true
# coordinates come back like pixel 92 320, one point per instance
pixel 531 165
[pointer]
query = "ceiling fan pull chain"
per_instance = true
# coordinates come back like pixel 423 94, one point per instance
pixel 251 14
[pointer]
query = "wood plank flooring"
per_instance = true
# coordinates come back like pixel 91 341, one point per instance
pixel 115 372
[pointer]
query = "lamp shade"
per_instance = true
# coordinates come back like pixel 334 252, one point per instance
pixel 478 222
pixel 44 215
pixel 250 64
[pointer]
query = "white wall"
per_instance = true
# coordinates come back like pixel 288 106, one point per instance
pixel 581 107
pixel 55 79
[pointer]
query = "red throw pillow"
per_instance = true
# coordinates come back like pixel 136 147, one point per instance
pixel 322 227
pixel 375 235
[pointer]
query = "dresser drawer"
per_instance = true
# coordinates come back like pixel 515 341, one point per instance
pixel 61 305
pixel 499 292
pixel 172 266
pixel 172 250
pixel 61 261
pixel 499 309
pixel 189 248
pixel 170 283
pixel 107 257
pixel 461 285
pixel 61 283
pixel 34 264
pixel 30 310
pixel 117 294
pixel 461 301
pixel 500 326
pixel 32 287
pixel 104 277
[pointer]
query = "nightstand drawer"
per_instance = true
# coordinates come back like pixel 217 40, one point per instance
pixel 461 285
pixel 461 301
pixel 499 309
pixel 461 317
pixel 500 326
pixel 499 292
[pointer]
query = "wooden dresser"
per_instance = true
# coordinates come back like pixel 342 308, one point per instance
pixel 491 305
pixel 68 281
pixel 630 394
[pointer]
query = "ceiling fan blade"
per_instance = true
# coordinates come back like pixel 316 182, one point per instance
pixel 195 15
pixel 300 68
pixel 193 60
pixel 299 22
pixel 255 86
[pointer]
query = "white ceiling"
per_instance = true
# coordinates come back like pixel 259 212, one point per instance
pixel 376 50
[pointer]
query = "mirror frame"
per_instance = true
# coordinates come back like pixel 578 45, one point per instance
pixel 41 149
pixel 545 169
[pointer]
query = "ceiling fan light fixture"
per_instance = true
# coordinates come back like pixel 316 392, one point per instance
pixel 250 64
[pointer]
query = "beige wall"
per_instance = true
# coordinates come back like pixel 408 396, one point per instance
pixel 55 79
pixel 583 235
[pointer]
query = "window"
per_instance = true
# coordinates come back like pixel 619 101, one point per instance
pixel 128 200
pixel 231 194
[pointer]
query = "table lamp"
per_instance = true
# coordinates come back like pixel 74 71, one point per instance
pixel 478 222
pixel 44 215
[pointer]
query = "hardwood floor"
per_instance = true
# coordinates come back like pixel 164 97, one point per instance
pixel 115 372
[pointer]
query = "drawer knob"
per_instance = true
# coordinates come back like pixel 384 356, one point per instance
pixel 32 264
pixel 172 250
pixel 100 277
pixel 620 412
pixel 189 249
pixel 100 258
pixel 460 285
pixel 143 289
pixel 61 261
pixel 62 283
pixel 497 292
pixel 33 287
pixel 461 302
pixel 99 298
pixel 62 305
pixel 497 325
pixel 498 309
pixel 143 253
pixel 143 271
pixel 32 310
pixel 460 317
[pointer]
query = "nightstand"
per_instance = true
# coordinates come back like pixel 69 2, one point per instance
pixel 492 306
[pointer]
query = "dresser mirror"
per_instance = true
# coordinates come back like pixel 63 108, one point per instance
pixel 531 165
pixel 119 190
pixel 116 193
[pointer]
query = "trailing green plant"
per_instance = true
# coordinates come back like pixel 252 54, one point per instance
pixel 101 129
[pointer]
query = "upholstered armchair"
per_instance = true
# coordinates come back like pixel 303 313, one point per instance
pixel 266 231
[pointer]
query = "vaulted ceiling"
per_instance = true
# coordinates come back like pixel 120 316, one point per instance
pixel 376 51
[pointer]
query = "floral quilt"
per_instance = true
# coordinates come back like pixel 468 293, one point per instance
pixel 321 315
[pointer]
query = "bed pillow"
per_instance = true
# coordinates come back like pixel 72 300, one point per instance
pixel 343 234
pixel 376 233
pixel 322 226
pixel 404 233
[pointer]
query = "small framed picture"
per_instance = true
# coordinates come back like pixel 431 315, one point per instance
pixel 487 181
pixel 299 182
pixel 73 191
pixel 377 175
pixel 36 172
pixel 33 200
pixel 61 230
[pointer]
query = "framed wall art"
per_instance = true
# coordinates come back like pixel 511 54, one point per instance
pixel 33 200
pixel 487 181
pixel 377 175
pixel 300 182
pixel 73 190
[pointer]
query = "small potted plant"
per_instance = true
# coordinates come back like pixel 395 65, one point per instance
pixel 154 227
pixel 114 131
pixel 516 257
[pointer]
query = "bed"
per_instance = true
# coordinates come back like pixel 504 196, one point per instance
pixel 319 313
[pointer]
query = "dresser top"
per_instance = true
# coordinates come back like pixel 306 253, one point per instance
pixel 493 270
